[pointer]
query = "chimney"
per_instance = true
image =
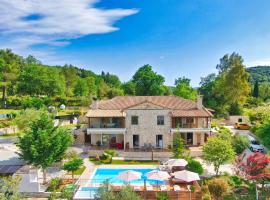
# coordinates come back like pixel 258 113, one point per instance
pixel 200 101
pixel 94 104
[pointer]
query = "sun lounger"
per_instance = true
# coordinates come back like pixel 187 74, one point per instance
pixel 137 188
pixel 149 188
pixel 176 188
pixel 163 188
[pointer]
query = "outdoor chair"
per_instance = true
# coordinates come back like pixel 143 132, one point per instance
pixel 136 188
pixel 149 188
pixel 163 188
pixel 176 188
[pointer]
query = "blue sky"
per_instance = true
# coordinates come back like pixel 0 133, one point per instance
pixel 176 37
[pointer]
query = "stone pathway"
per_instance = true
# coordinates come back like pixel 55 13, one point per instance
pixel 90 168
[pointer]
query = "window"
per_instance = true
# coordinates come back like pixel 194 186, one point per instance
pixel 190 120
pixel 160 120
pixel 134 120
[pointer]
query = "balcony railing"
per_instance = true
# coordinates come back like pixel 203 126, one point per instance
pixel 107 125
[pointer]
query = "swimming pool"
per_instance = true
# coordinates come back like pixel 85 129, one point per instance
pixel 102 175
pixel 111 175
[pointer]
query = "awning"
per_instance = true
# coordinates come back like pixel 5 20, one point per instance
pixel 105 113
pixel 191 113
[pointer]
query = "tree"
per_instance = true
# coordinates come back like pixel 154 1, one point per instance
pixel 256 90
pixel 103 90
pixel 10 66
pixel 263 132
pixel 113 92
pixel 147 82
pixel 178 146
pixel 183 89
pixel 44 144
pixel 240 143
pixel 264 93
pixel 217 151
pixel 71 76
pixel 129 88
pixel 111 80
pixel 73 165
pixel 41 80
pixel 255 167
pixel 234 79
pixel 9 188
pixel 25 117
pixel 91 84
pixel 81 89
pixel 224 133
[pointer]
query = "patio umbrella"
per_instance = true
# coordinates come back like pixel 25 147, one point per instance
pixel 158 175
pixel 177 162
pixel 129 175
pixel 186 176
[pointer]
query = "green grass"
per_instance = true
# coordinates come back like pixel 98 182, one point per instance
pixel 124 162
pixel 79 171
pixel 8 111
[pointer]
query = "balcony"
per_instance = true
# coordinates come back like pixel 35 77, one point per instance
pixel 106 130
pixel 190 124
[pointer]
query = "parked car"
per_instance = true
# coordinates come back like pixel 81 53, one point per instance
pixel 254 145
pixel 242 126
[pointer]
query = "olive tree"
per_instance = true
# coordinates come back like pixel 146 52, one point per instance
pixel 217 151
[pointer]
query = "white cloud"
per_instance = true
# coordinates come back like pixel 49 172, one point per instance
pixel 58 21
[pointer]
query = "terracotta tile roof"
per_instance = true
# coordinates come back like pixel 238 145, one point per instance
pixel 191 113
pixel 169 102
pixel 180 107
pixel 105 113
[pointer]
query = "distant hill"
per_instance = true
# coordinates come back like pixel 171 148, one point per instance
pixel 259 73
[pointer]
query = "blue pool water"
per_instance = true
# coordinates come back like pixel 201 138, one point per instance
pixel 102 175
pixel 111 175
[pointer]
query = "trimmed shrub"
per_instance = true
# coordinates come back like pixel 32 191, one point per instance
pixel 54 184
pixel 218 188
pixel 195 166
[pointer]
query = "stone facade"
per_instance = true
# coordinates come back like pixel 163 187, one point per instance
pixel 147 132
pixel 147 127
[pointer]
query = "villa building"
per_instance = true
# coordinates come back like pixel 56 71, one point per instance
pixel 142 122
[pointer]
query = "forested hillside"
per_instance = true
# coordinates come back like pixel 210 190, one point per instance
pixel 259 73
pixel 26 82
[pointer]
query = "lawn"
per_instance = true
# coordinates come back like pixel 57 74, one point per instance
pixel 124 162
pixel 8 111
pixel 79 171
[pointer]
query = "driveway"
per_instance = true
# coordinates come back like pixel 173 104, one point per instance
pixel 209 169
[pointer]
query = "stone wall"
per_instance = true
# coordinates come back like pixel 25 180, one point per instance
pixel 147 128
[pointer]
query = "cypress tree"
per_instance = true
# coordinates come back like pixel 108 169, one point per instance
pixel 256 90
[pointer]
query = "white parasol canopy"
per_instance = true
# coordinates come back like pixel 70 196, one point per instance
pixel 186 176
pixel 177 162
pixel 158 175
pixel 129 175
